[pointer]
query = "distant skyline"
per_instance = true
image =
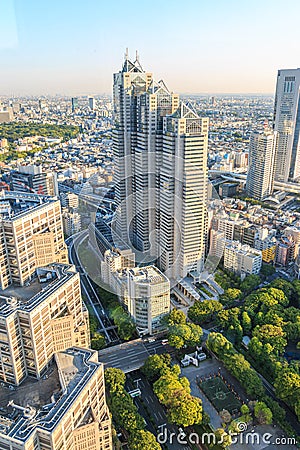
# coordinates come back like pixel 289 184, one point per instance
pixel 72 47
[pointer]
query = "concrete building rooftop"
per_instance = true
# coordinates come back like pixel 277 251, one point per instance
pixel 42 403
pixel 14 205
pixel 46 280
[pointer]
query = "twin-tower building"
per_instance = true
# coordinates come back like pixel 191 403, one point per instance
pixel 160 149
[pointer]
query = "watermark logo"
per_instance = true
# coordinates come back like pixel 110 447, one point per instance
pixel 243 437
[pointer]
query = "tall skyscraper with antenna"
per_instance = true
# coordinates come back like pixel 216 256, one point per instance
pixel 160 151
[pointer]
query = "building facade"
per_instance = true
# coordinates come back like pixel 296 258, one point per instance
pixel 242 259
pixel 260 177
pixel 69 412
pixel 31 233
pixel 160 150
pixel 287 124
pixel 40 319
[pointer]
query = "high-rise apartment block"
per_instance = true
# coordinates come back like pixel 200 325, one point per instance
pixel 39 320
pixel 31 234
pixel 260 178
pixel 287 124
pixel 160 149
pixel 66 410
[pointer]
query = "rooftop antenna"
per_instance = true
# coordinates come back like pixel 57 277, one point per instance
pixel 136 56
pixel 126 54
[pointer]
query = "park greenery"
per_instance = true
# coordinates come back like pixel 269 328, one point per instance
pixel 180 332
pixel 125 414
pixel 173 391
pixel 14 131
pixel 19 130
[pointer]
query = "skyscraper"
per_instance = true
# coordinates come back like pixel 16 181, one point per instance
pixel 287 124
pixel 74 103
pixel 160 149
pixel 92 103
pixel 260 178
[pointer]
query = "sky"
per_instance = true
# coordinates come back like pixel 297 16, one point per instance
pixel 72 47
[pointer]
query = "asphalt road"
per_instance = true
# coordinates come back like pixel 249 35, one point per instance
pixel 131 355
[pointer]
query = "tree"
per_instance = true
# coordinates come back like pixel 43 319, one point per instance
pixel 98 341
pixel 184 334
pixel 175 317
pixel 272 335
pixel 267 270
pixel 114 379
pixel 283 285
pixel 141 440
pixel 262 413
pixel 155 365
pixel 185 410
pixel 223 439
pixel 204 311
pixel 246 322
pixel 287 386
pixel 250 283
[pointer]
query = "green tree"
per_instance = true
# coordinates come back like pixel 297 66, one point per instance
pixel 175 317
pixel 155 365
pixel 203 311
pixel 246 322
pixel 262 413
pixel 223 439
pixel 287 386
pixel 273 335
pixel 185 410
pixel 141 440
pixel 98 341
pixel 250 283
pixel 114 379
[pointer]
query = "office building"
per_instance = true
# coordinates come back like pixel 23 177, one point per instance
pixel 31 178
pixel 145 292
pixel 260 178
pixel 160 150
pixel 74 103
pixel 40 319
pixel 66 410
pixel 31 234
pixel 92 103
pixel 287 123
pixel 242 259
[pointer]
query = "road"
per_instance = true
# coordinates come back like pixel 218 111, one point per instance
pixel 149 407
pixel 88 287
pixel 131 355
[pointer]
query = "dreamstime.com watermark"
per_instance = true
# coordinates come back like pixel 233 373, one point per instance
pixel 243 437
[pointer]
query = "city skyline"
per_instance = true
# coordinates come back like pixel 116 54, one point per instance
pixel 216 48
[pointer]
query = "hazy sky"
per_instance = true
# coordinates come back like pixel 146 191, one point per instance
pixel 201 46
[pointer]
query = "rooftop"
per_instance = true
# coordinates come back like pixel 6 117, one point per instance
pixel 26 298
pixel 14 205
pixel 42 403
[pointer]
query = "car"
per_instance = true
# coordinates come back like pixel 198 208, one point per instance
pixel 164 341
pixel 151 340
